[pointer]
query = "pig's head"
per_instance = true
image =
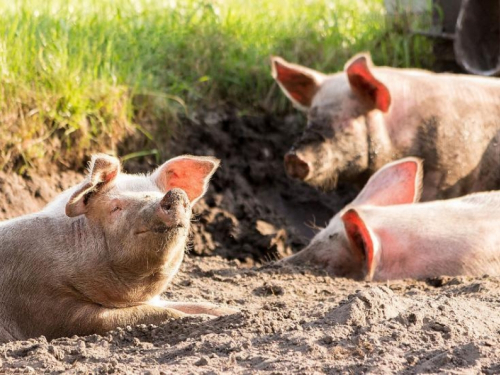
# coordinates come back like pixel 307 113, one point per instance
pixel 335 143
pixel 141 222
pixel 347 247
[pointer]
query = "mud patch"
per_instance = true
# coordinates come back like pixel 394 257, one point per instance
pixel 253 211
pixel 20 195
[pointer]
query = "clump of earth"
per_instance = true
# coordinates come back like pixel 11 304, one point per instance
pixel 292 319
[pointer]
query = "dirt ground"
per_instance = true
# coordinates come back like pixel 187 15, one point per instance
pixel 295 320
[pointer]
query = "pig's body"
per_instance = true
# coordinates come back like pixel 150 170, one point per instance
pixel 451 237
pixel 377 238
pixel 450 121
pixel 367 116
pixel 72 269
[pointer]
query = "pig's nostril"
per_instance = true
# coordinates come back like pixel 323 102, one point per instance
pixel 175 200
pixel 296 167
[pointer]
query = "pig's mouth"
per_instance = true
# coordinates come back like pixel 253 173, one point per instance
pixel 162 229
pixel 324 180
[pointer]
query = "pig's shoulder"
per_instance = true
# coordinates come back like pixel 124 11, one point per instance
pixel 57 206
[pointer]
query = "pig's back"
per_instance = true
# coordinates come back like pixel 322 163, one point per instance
pixel 453 237
pixel 437 79
pixel 443 94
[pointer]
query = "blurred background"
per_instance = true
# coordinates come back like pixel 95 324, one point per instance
pixel 83 76
pixel 79 76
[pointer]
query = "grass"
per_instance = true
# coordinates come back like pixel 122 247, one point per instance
pixel 79 76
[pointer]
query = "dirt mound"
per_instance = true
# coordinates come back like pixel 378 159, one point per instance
pixel 369 307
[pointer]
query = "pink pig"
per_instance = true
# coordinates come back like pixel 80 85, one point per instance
pixel 366 116
pixel 100 255
pixel 383 234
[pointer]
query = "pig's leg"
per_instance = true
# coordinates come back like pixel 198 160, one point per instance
pixel 195 308
pixel 96 319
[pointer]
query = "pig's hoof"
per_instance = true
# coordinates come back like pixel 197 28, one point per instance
pixel 214 310
pixel 221 311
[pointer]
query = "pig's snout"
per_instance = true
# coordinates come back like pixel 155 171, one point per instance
pixel 296 166
pixel 175 208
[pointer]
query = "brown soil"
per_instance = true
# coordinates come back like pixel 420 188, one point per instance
pixel 291 320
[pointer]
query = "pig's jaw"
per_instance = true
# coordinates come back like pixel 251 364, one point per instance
pixel 323 175
pixel 174 261
pixel 331 168
pixel 325 181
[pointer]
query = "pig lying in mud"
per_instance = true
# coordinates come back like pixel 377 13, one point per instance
pixel 102 252
pixel 366 116
pixel 384 235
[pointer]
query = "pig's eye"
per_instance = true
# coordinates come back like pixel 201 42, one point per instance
pixel 333 236
pixel 115 209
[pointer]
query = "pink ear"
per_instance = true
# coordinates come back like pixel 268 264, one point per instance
pixel 189 173
pixel 103 170
pixel 299 83
pixel 398 182
pixel 362 244
pixel 366 85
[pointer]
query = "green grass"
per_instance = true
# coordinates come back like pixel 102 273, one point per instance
pixel 79 76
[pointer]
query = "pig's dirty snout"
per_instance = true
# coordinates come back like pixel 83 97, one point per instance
pixel 296 167
pixel 175 208
pixel 175 199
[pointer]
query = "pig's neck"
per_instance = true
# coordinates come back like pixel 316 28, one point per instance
pixel 381 148
pixel 106 280
pixel 391 135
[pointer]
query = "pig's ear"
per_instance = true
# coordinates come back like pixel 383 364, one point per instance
pixel 398 182
pixel 364 84
pixel 299 83
pixel 364 246
pixel 103 169
pixel 187 172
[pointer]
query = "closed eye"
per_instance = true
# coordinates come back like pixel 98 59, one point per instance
pixel 116 209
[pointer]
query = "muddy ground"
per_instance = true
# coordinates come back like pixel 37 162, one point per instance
pixel 294 320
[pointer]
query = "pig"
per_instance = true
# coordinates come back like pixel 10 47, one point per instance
pixel 100 255
pixel 384 233
pixel 365 117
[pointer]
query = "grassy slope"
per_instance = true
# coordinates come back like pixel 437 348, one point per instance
pixel 74 74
